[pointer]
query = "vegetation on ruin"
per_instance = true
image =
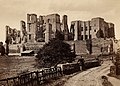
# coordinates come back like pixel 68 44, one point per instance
pixel 100 34
pixel 55 52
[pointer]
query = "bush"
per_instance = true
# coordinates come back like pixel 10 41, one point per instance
pixel 55 52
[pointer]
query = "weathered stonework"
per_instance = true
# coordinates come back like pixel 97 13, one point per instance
pixel 43 28
pixel 48 32
pixel 13 35
pixel 31 27
pixel 79 30
pixel 82 30
pixel 64 28
pixel 36 27
pixel 23 32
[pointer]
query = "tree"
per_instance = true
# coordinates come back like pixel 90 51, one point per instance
pixel 55 52
pixel 59 35
pixel 100 34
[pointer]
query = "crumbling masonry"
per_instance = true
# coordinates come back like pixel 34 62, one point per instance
pixel 38 30
pixel 13 35
pixel 44 28
pixel 96 28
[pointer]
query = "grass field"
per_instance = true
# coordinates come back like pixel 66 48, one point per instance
pixel 13 65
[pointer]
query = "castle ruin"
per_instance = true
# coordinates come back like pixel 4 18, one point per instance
pixel 44 28
pixel 13 35
pixel 38 30
pixel 96 28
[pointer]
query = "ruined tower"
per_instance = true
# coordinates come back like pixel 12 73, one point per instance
pixel 76 30
pixel 7 28
pixel 65 28
pixel 40 30
pixel 111 31
pixel 48 31
pixel 23 31
pixel 54 20
pixel 7 32
pixel 18 37
pixel 96 28
pixel 31 27
pixel 12 35
pixel 8 35
pixel 76 27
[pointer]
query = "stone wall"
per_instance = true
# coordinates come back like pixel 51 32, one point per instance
pixel 99 46
pixel 14 48
pixel 95 28
pixel 31 27
pixel 13 35
pixel 34 46
pixel 80 47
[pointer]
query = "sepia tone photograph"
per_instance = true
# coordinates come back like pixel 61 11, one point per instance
pixel 59 43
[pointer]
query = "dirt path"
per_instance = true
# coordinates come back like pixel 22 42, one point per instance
pixel 90 77
pixel 114 81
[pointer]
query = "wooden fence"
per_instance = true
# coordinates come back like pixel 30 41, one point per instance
pixel 35 78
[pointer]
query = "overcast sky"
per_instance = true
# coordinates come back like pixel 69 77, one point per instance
pixel 12 11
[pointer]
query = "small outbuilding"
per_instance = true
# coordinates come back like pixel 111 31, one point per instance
pixel 27 53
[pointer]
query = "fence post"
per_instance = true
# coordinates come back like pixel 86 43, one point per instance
pixel 31 79
pixel 14 82
pixel 42 77
pixel 50 74
pixel 7 83
pixel 61 72
pixel 37 77
pixel 56 72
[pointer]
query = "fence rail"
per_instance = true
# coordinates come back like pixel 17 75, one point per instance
pixel 33 78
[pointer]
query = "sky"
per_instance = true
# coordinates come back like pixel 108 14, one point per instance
pixel 13 11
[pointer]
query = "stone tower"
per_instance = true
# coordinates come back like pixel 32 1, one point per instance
pixel 23 32
pixel 65 28
pixel 96 28
pixel 111 31
pixel 48 32
pixel 8 34
pixel 40 29
pixel 54 20
pixel 31 27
